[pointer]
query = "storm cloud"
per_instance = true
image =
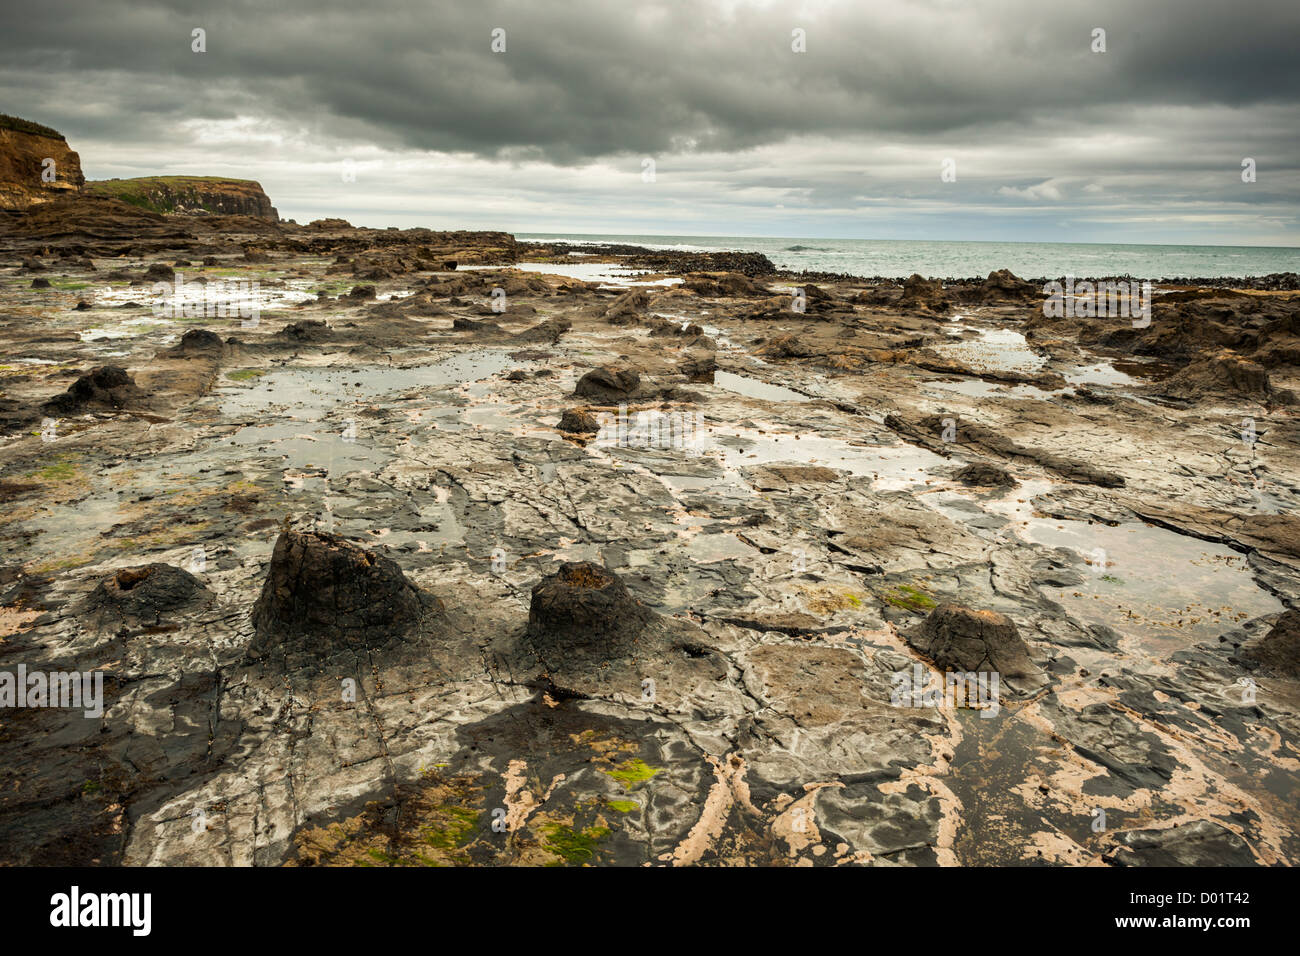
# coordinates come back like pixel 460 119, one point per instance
pixel 1049 139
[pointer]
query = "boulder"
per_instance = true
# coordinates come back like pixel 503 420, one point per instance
pixel 608 386
pixel 1225 373
pixel 924 294
pixel 724 285
pixel 578 421
pixel 628 308
pixel 1278 651
pixel 962 639
pixel 984 473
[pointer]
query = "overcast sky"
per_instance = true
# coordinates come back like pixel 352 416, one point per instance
pixel 1050 141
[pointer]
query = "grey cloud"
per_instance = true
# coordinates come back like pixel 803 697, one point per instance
pixel 587 79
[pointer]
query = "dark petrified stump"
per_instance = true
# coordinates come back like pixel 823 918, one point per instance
pixel 199 342
pixel 325 597
pixel 592 638
pixel 584 609
pixel 107 386
pixel 149 594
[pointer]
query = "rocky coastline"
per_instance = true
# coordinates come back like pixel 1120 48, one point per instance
pixel 422 547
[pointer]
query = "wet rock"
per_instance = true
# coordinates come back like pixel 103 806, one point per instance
pixel 325 597
pixel 983 473
pixel 786 346
pixel 146 595
pixel 308 330
pixel 1278 651
pixel 578 421
pixel 1225 374
pixel 628 308
pixel 724 285
pixel 608 386
pixel 109 386
pixel 962 639
pixel 928 431
pixel 1200 843
pixel 547 332
pixel 160 272
pixel 882 293
pixel 517 375
pixel 792 623
pixel 83 306
pixel 199 342
pixel 790 477
pixel 924 294
pixel 362 292
pixel 40 283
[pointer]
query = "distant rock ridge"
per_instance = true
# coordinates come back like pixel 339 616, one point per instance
pixel 189 195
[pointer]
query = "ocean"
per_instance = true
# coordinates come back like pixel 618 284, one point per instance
pixel 961 260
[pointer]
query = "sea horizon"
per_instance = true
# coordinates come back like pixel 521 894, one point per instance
pixel 966 258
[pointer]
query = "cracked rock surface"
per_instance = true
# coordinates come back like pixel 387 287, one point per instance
pixel 355 597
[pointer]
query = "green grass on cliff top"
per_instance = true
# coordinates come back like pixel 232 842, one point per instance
pixel 27 126
pixel 150 192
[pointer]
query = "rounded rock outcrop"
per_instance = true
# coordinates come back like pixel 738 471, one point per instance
pixel 963 639
pixel 608 386
pixel 578 421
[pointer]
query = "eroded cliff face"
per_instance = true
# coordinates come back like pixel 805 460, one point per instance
pixel 190 195
pixel 28 160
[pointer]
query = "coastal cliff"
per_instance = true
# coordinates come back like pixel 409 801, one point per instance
pixel 31 154
pixel 189 195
